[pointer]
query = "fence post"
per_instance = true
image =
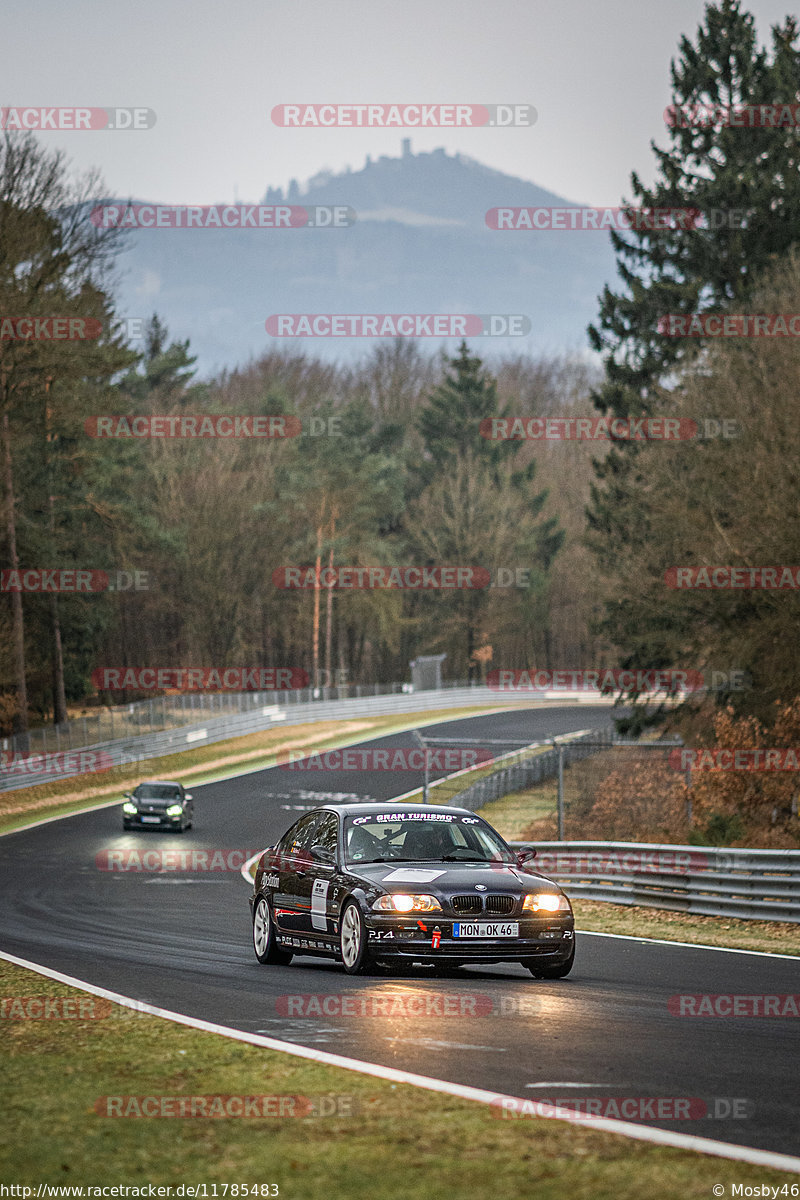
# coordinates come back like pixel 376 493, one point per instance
pixel 426 779
pixel 560 792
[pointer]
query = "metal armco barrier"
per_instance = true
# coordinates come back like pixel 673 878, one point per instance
pixel 262 711
pixel 750 884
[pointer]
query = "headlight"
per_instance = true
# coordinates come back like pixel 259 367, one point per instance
pixel 399 902
pixel 128 807
pixel 546 902
pixel 174 810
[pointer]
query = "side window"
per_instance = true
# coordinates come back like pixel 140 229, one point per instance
pixel 326 833
pixel 298 837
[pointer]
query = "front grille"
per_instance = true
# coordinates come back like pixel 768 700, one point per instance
pixel 499 904
pixel 467 904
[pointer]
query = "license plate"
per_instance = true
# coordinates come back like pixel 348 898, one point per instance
pixel 151 820
pixel 483 929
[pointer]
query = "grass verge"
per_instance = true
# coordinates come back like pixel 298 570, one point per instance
pixel 400 1141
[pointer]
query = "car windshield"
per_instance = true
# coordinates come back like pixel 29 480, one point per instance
pixel 157 791
pixel 422 837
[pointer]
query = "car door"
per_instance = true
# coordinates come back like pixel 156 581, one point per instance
pixel 321 878
pixel 292 900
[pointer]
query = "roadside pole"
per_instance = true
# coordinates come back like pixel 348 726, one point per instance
pixel 426 780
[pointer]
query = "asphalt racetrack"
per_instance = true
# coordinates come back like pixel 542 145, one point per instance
pixel 182 941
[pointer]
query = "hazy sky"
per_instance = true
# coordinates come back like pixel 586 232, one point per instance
pixel 598 74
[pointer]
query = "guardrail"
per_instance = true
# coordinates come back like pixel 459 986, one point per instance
pixel 749 884
pixel 266 709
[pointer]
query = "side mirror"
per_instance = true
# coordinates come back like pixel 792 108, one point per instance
pixel 525 856
pixel 322 854
pixel 128 795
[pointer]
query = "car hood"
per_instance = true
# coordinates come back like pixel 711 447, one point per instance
pixel 449 877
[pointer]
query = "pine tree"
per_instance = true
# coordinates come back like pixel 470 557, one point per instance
pixel 752 175
pixel 54 263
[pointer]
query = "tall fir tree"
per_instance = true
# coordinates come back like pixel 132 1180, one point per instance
pixel 746 184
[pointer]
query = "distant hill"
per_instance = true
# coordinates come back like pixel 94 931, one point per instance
pixel 419 245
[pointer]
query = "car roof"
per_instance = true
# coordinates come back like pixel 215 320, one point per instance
pixel 365 808
pixel 159 782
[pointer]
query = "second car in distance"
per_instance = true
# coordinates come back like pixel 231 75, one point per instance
pixel 158 804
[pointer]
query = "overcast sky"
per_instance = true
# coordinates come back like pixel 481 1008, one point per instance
pixel 597 73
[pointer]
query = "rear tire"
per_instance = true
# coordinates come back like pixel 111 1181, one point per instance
pixel 560 971
pixel 353 941
pixel 264 941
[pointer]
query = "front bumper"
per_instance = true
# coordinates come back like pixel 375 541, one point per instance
pixel 138 821
pixel 391 937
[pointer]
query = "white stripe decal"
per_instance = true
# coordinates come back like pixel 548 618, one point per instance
pixel 319 904
pixel 642 1133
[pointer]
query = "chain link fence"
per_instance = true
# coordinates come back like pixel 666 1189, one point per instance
pixel 110 724
pixel 590 784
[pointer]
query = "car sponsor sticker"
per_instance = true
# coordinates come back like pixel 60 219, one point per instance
pixel 319 896
pixel 411 875
pixel 271 881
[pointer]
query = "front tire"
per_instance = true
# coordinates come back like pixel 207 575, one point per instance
pixel 264 941
pixel 356 957
pixel 560 971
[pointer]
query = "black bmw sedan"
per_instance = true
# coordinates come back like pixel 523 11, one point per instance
pixel 366 883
